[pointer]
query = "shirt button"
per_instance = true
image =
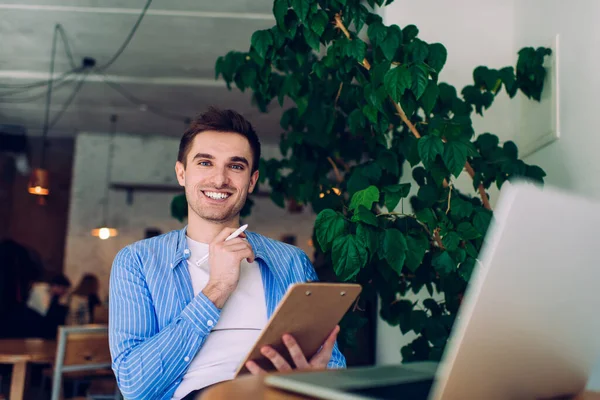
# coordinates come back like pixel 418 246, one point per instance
pixel 209 322
pixel 186 251
pixel 186 359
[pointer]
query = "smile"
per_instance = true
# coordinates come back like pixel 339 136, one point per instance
pixel 216 195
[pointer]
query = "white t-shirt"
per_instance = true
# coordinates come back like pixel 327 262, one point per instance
pixel 242 318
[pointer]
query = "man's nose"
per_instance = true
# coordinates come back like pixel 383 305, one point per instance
pixel 220 179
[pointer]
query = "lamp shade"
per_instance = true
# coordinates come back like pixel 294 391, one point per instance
pixel 39 183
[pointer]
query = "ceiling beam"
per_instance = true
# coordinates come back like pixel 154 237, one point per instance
pixel 12 75
pixel 136 11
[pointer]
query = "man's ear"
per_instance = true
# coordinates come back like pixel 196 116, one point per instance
pixel 253 180
pixel 180 172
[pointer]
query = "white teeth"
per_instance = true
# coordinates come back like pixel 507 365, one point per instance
pixel 217 196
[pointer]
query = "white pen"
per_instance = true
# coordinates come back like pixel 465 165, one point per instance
pixel 235 234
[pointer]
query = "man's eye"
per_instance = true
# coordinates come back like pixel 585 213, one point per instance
pixel 204 163
pixel 238 167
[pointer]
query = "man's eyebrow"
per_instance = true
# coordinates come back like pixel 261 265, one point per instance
pixel 203 155
pixel 240 159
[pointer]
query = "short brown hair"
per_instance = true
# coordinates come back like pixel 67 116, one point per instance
pixel 220 121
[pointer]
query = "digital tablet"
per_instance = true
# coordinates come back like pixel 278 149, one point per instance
pixel 308 312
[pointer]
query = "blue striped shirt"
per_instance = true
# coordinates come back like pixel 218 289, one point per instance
pixel 157 325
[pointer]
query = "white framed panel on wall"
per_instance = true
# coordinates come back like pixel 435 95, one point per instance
pixel 539 122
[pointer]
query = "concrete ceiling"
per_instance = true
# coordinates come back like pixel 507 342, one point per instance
pixel 168 66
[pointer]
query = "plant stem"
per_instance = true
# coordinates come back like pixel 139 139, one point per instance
pixel 438 239
pixel 337 97
pixel 449 197
pixel 365 63
pixel 340 25
pixel 338 176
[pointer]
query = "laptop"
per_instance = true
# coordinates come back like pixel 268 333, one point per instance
pixel 528 327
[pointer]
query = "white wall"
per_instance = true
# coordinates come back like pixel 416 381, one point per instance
pixel 490 33
pixel 147 160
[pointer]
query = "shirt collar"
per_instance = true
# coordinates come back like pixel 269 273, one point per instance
pixel 182 251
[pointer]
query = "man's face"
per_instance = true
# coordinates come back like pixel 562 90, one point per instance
pixel 218 175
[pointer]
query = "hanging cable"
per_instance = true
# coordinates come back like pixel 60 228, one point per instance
pixel 127 39
pixel 69 101
pixel 72 61
pixel 48 98
pixel 74 68
pixel 111 151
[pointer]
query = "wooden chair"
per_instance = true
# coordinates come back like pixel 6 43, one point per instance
pixel 82 350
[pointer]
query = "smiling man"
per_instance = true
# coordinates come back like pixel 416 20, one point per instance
pixel 177 324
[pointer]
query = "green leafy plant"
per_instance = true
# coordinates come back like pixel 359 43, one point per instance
pixel 362 110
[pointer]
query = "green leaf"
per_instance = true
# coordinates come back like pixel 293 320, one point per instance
pixel 433 307
pixel 376 33
pixel 301 7
pixel 467 231
pixel 409 32
pixel 460 208
pixel 312 39
pixel 356 49
pixel 393 194
pixel 371 113
pixel 455 156
pixel 418 319
pixel 390 44
pixel 388 161
pixel 372 171
pixel 349 256
pixel 368 237
pixel 451 241
pixel 536 173
pixel 427 216
pixel 394 249
pixel 443 263
pixel 291 24
pixel 318 22
pixel 510 150
pixel 417 247
pixel 437 56
pixel 328 226
pixel 261 40
pixel 486 142
pixel 364 215
pixel 357 181
pixel 465 269
pixel 481 221
pixel 420 79
pixel 429 148
pixel 365 198
pixel 418 51
pixel 356 122
pixel 179 207
pixel 396 81
pixel 429 97
pixel 280 8
pixel 378 73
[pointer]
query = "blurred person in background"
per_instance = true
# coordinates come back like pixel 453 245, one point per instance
pixel 83 300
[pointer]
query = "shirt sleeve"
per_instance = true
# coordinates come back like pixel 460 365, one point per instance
pixel 337 358
pixel 149 363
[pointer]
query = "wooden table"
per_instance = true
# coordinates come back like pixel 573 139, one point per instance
pixel 20 353
pixel 252 387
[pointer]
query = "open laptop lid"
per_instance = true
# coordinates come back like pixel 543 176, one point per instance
pixel 528 326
